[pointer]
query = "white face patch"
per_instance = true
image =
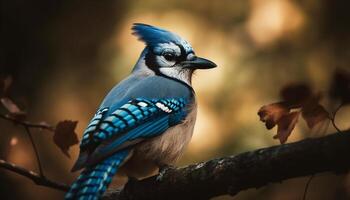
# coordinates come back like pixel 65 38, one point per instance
pixel 162 62
pixel 184 75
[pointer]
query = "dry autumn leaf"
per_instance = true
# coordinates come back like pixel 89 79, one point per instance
pixel 5 83
pixel 314 115
pixel 295 96
pixel 10 105
pixel 272 113
pixel 12 108
pixel 65 135
pixel 286 125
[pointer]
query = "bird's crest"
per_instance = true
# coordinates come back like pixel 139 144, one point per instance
pixel 154 36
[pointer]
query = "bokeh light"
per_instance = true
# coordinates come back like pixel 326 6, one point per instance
pixel 66 56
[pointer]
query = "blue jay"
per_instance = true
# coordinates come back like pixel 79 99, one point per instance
pixel 146 121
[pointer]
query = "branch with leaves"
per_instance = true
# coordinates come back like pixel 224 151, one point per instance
pixel 299 99
pixel 254 169
pixel 229 175
pixel 64 137
pixel 59 131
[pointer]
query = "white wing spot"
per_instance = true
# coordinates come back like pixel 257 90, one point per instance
pixel 142 104
pixel 163 107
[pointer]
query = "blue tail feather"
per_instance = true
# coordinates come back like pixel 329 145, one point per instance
pixel 93 181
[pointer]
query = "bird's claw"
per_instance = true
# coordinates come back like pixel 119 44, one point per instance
pixel 162 170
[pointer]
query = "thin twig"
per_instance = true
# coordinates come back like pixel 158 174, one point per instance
pixel 28 124
pixel 313 176
pixel 333 118
pixel 307 186
pixel 36 178
pixel 35 150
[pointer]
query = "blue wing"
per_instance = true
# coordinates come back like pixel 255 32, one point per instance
pixel 114 129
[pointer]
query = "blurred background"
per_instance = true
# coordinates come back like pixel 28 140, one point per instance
pixel 64 56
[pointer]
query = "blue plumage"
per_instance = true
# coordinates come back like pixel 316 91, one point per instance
pixel 145 120
pixel 93 181
pixel 153 36
pixel 136 120
pixel 134 113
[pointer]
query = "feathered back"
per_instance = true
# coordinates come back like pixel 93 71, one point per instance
pixel 154 36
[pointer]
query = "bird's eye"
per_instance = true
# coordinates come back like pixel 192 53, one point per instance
pixel 169 56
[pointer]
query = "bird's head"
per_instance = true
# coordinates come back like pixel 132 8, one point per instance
pixel 168 54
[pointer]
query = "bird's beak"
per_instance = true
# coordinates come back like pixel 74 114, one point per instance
pixel 198 63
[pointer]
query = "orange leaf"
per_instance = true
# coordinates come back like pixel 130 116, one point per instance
pixel 272 113
pixel 65 135
pixel 286 125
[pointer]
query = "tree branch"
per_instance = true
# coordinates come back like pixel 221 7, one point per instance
pixel 36 178
pixel 28 124
pixel 230 175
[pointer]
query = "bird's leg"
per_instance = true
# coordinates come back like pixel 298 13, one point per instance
pixel 163 167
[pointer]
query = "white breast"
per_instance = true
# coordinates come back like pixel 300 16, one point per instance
pixel 168 147
pixel 164 149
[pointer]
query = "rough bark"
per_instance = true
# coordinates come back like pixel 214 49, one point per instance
pixel 230 175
